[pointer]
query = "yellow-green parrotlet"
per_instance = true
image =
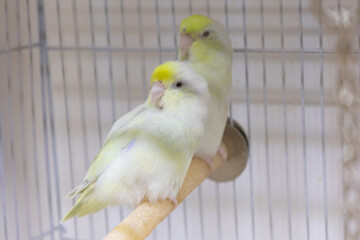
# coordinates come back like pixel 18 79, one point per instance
pixel 206 46
pixel 148 151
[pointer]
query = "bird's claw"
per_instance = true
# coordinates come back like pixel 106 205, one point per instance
pixel 173 201
pixel 222 153
pixel 208 161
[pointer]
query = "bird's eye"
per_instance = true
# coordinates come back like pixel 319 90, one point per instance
pixel 179 84
pixel 206 34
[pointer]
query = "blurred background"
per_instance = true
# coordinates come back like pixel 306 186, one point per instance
pixel 70 68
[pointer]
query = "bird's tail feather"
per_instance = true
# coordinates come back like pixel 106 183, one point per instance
pixel 81 188
pixel 83 206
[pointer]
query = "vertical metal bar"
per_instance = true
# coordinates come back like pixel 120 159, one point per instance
pixel 190 8
pixel 323 143
pixel 66 109
pixel 248 120
pixel 45 79
pixel 202 231
pixel 201 213
pixel 341 123
pixel 303 119
pixel 235 210
pixel 208 7
pixel 34 128
pixel 176 56
pixel 159 56
pixel 185 220
pixel 110 60
pixel 23 130
pixel 267 159
pixel 169 227
pixel 343 201
pixel 158 30
pixel 123 31
pixel 142 55
pixel 202 234
pixel 11 126
pixel 95 71
pixel 226 9
pixel 111 73
pixel 82 104
pixel 97 94
pixel 2 182
pixel 358 36
pixel 358 50
pixel 218 211
pixel 284 96
pixel 174 27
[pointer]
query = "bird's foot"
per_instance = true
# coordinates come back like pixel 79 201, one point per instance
pixel 173 201
pixel 222 153
pixel 207 160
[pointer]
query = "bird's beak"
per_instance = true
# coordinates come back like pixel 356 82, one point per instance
pixel 185 44
pixel 156 92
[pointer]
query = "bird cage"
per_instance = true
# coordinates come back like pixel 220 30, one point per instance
pixel 70 68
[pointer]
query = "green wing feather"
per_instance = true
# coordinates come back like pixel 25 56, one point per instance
pixel 85 204
pixel 119 135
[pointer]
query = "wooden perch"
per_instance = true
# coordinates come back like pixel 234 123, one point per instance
pixel 143 220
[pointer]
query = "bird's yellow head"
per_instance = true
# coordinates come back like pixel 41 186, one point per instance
pixel 166 73
pixel 205 34
pixel 172 82
pixel 195 24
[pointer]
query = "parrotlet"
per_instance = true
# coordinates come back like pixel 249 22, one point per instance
pixel 206 46
pixel 148 151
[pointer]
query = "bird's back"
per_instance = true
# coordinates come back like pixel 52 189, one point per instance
pixel 219 77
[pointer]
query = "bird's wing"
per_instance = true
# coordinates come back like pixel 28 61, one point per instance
pixel 142 121
pixel 122 123
pixel 121 137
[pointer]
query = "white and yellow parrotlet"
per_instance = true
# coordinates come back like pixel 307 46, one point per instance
pixel 148 151
pixel 206 46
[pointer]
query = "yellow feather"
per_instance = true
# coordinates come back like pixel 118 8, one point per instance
pixel 165 72
pixel 195 24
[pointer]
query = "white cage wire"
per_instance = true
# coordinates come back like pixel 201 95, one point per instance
pixel 69 68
